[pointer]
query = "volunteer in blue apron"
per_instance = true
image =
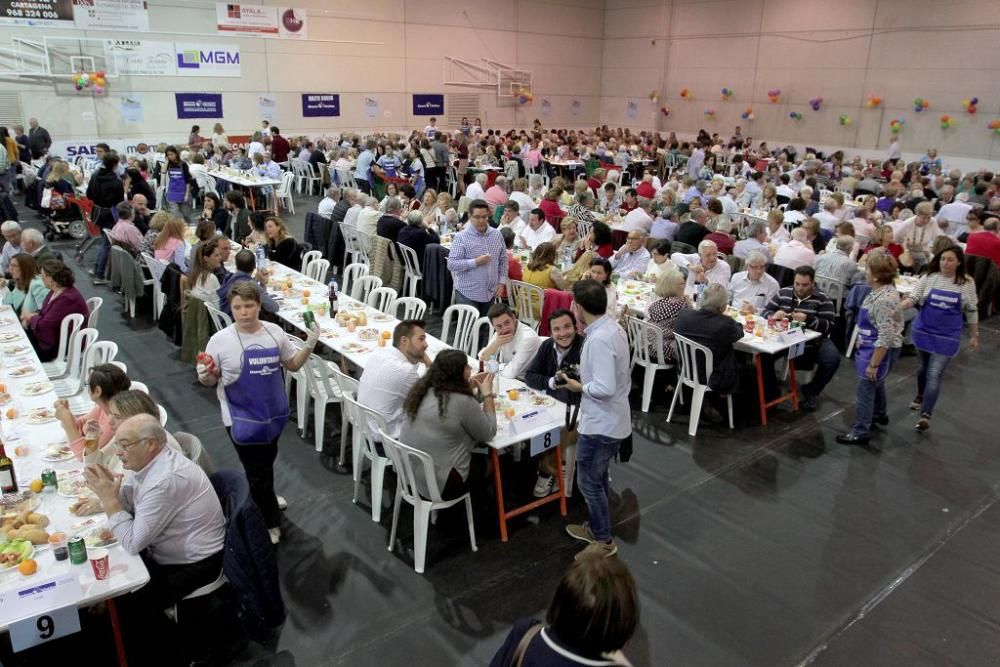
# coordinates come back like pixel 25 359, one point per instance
pixel 178 181
pixel 880 339
pixel 245 360
pixel 944 294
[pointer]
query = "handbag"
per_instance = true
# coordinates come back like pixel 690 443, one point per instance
pixel 522 646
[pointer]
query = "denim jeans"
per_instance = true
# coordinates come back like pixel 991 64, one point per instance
pixel 181 209
pixel 870 399
pixel 481 306
pixel 102 258
pixel 929 379
pixel 593 455
pixel 827 358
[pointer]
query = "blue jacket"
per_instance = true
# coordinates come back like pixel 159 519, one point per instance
pixel 249 562
pixel 267 302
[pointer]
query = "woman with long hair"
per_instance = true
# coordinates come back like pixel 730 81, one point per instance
pixel 137 185
pixel 170 245
pixel 281 247
pixel 445 419
pixel 943 294
pixel 178 181
pixel 201 278
pixel 26 291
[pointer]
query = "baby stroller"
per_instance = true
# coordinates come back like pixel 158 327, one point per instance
pixel 67 216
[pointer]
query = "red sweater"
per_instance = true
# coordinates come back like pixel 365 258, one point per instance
pixel 984 244
pixel 46 323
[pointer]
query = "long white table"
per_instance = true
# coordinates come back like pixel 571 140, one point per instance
pixel 128 573
pixel 359 352
pixel 244 181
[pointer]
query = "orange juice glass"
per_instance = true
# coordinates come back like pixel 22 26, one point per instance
pixel 510 412
pixel 513 394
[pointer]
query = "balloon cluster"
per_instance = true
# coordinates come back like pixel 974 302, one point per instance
pixel 795 115
pixel 654 96
pixel 815 103
pixel 873 101
pixel 946 121
pixel 844 119
pixel 524 97
pixel 773 95
pixel 709 114
pixel 686 94
pixel 727 93
pixel 665 110
pixel 970 105
pixel 747 114
pixel 895 125
pixel 920 104
pixel 95 80
pixel 994 125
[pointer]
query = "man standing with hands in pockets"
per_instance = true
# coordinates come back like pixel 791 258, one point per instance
pixel 605 416
pixel 478 260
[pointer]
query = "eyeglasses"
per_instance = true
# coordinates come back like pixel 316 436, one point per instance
pixel 124 445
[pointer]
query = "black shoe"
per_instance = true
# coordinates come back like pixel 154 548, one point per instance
pixel 908 351
pixel 808 403
pixel 881 421
pixel 851 439
pixel 100 281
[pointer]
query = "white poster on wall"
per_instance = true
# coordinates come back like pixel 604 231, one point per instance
pixel 371 106
pixel 131 108
pixel 574 107
pixel 546 107
pixel 111 15
pixel 267 108
pixel 134 57
pixel 206 59
pixel 259 21
pixel 631 109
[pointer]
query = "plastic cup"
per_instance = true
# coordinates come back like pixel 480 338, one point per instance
pixel 99 563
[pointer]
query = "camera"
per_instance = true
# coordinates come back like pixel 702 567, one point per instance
pixel 567 372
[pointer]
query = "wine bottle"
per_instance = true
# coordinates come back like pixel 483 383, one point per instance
pixel 8 481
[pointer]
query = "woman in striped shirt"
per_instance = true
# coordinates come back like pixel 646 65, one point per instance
pixel 944 294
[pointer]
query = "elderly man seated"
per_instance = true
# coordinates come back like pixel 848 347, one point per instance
pixel 797 252
pixel 753 289
pixel 11 231
pixel 632 258
pixel 165 509
pixel 704 267
pixel 639 218
pixel 837 265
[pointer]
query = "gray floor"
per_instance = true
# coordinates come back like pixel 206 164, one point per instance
pixel 764 546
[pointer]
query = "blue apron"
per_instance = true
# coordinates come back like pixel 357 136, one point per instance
pixel 257 401
pixel 867 335
pixel 175 184
pixel 938 327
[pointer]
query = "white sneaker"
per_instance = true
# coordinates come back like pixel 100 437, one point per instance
pixel 282 503
pixel 543 486
pixel 275 534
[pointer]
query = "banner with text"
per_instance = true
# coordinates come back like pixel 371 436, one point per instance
pixel 37 13
pixel 199 105
pixel 135 57
pixel 428 105
pixel 233 18
pixel 111 15
pixel 207 59
pixel 320 104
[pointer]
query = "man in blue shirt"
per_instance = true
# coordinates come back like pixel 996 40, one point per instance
pixel 605 416
pixel 363 167
pixel 478 260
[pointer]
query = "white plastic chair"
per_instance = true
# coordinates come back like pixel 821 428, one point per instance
pixel 383 299
pixel 219 318
pixel 363 243
pixel 345 178
pixel 527 298
pixel 353 254
pixel 195 451
pixel 411 269
pixel 301 378
pixel 139 386
pixel 317 269
pixel 311 179
pixel 473 346
pixel 463 205
pixel 163 414
pixel 368 424
pixel 364 286
pixel 323 392
pixel 100 352
pixel 833 288
pixel 59 366
pixel 465 317
pixel 352 274
pixel 72 382
pixel 94 304
pixel 410 464
pixel 413 308
pixel 308 258
pixel 284 192
pixel 156 269
pixel 687 375
pixel 348 386
pixel 644 336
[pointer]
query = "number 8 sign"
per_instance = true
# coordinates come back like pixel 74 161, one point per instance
pixel 544 442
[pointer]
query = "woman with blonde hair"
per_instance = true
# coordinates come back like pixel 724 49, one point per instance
pixel 219 139
pixel 542 270
pixel 663 311
pixel 156 224
pixel 281 247
pixel 170 245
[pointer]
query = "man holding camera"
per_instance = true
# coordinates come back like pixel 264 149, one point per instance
pixel 605 416
pixel 560 353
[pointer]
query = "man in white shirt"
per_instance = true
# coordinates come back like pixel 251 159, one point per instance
pixel 956 213
pixel 753 288
pixel 11 231
pixel 728 203
pixel 632 258
pixel 893 154
pixel 391 374
pixel 639 220
pixel 431 130
pixel 369 216
pixel 704 267
pixel 357 205
pixel 536 231
pixel 524 202
pixel 514 342
pixel 476 189
pixel 696 161
pixel 918 233
pixel 796 252
pixel 753 187
pixel 828 220
pixel 794 214
pixel 512 218
pixel 785 190
pixel 756 240
pixel 329 202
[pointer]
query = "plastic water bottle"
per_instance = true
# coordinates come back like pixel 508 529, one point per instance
pixel 333 297
pixel 701 291
pixel 493 366
pixel 443 228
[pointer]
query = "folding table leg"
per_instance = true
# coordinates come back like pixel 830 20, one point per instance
pixel 501 512
pixel 760 389
pixel 116 629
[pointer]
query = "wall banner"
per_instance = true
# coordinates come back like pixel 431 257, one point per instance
pixel 135 57
pixel 37 13
pixel 320 104
pixel 233 18
pixel 130 15
pixel 199 105
pixel 428 105
pixel 207 59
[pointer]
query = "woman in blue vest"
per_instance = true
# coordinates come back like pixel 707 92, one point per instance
pixel 943 295
pixel 178 182
pixel 246 361
pixel 880 339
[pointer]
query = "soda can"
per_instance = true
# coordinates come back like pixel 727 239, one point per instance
pixel 49 479
pixel 77 550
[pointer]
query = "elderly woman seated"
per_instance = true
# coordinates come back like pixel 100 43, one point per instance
pixel 663 312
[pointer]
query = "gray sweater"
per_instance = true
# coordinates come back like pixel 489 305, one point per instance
pixel 448 440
